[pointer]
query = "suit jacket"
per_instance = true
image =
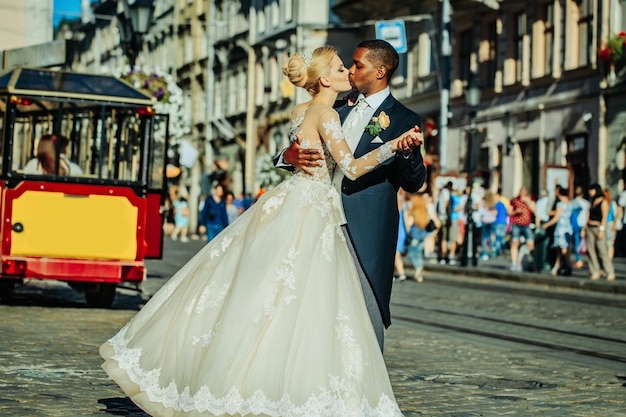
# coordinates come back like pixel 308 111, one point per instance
pixel 370 202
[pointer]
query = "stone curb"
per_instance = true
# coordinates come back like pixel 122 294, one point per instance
pixel 616 287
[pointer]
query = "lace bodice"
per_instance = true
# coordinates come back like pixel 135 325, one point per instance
pixel 322 173
pixel 322 130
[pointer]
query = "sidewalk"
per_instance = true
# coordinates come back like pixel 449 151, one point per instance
pixel 498 268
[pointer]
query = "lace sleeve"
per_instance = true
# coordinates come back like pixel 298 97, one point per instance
pixel 335 140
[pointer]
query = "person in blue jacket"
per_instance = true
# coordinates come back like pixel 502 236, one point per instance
pixel 213 217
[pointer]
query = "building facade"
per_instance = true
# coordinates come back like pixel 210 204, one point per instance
pixel 550 108
pixel 25 23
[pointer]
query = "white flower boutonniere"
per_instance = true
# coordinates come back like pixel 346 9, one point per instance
pixel 378 124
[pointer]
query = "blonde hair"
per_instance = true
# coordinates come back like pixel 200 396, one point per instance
pixel 489 199
pixel 419 210
pixel 307 76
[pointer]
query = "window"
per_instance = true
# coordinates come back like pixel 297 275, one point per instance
pixel 520 34
pixel 491 64
pixel 95 141
pixel 188 46
pixel 548 38
pixel 274 79
pixel 221 105
pixel 288 10
pixel 260 85
pixel 231 97
pixel 261 19
pixel 242 90
pixel 585 32
pixel 424 56
pixel 275 13
pixel 465 54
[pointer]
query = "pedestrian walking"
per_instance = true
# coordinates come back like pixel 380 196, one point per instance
pixel 444 211
pixel 501 223
pixel 562 241
pixel 580 213
pixel 611 224
pixel 488 220
pixel 599 261
pixel 457 231
pixel 181 219
pixel 521 213
pixel 398 264
pixel 213 217
pixel 542 237
pixel 232 210
pixel 422 223
pixel 430 243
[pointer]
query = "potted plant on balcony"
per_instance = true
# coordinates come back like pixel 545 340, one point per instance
pixel 168 94
pixel 611 52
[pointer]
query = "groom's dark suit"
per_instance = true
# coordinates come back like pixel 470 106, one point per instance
pixel 370 202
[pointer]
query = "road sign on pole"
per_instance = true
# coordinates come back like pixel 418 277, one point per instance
pixel 394 32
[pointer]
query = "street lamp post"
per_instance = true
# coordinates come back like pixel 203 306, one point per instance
pixel 472 98
pixel 135 18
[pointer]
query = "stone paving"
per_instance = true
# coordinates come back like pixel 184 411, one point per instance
pixel 446 373
pixel 49 365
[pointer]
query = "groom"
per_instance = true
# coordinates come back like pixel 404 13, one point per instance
pixel 370 202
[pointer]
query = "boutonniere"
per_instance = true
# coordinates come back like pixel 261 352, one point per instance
pixel 378 124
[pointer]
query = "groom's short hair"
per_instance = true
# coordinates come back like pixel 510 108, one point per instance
pixel 381 52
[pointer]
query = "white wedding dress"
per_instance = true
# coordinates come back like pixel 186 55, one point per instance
pixel 268 319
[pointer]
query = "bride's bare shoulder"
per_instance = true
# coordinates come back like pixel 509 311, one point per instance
pixel 299 109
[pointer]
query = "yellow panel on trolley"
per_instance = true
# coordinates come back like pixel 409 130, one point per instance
pixel 74 226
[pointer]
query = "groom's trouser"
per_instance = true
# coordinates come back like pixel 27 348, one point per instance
pixel 370 299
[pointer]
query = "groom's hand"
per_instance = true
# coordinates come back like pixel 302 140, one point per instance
pixel 302 158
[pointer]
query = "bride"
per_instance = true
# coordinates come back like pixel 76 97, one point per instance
pixel 263 322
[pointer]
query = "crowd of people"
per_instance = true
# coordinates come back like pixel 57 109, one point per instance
pixel 215 212
pixel 556 233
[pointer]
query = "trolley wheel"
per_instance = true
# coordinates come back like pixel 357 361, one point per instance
pixel 7 288
pixel 100 295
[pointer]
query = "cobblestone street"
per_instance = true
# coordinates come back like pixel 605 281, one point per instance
pixel 447 373
pixel 49 362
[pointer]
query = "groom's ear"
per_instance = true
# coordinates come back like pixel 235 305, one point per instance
pixel 381 72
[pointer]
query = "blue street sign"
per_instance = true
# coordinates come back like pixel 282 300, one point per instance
pixel 394 32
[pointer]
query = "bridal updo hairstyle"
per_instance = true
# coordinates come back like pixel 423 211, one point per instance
pixel 308 77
